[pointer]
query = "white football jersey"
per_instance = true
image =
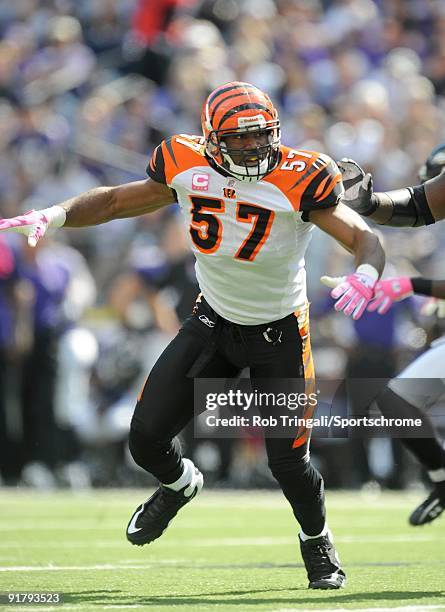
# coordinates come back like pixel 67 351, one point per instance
pixel 249 239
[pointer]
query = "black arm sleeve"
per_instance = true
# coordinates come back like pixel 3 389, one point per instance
pixel 427 286
pixel 409 207
pixel 422 286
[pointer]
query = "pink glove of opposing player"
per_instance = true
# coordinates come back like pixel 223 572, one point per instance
pixel 354 292
pixel 34 223
pixel 389 291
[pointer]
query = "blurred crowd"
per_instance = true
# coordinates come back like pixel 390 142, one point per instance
pixel 88 88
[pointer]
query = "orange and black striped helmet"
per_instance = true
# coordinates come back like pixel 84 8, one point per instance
pixel 241 108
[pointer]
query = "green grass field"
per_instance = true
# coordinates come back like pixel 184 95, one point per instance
pixel 226 551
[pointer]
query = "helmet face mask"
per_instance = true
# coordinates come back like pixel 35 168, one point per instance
pixel 434 164
pixel 242 131
pixel 253 162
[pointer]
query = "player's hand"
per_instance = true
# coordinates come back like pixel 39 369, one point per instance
pixel 389 291
pixel 433 306
pixel 353 293
pixel 34 223
pixel 358 187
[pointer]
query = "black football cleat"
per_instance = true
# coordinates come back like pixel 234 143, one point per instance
pixel 322 563
pixel 152 518
pixel 430 509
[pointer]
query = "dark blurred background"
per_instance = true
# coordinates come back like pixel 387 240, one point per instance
pixel 88 88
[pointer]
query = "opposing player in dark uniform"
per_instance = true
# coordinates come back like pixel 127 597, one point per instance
pixel 249 206
pixel 423 381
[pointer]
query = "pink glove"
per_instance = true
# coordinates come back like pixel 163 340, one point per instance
pixel 355 292
pixel 389 291
pixel 35 223
pixel 6 260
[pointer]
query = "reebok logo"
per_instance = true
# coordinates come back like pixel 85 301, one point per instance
pixel 249 122
pixel 206 321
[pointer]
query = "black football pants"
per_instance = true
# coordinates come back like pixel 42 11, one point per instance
pixel 166 403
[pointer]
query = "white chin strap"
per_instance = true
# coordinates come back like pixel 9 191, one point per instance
pixel 242 172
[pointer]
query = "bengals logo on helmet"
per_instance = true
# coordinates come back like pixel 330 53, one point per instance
pixel 241 108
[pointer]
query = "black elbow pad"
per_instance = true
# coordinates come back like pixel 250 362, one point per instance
pixel 409 207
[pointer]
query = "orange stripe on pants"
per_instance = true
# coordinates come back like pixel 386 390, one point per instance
pixel 302 315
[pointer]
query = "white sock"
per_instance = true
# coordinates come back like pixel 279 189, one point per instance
pixel 325 531
pixel 437 475
pixel 186 477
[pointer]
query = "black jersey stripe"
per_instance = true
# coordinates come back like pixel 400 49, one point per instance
pixel 329 186
pixel 156 167
pixel 302 178
pixel 168 144
pixel 317 180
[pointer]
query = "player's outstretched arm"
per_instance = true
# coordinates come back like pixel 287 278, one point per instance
pixel 354 292
pixel 93 207
pixel 409 207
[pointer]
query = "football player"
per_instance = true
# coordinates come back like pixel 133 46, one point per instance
pixel 423 381
pixel 249 206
